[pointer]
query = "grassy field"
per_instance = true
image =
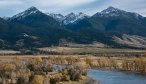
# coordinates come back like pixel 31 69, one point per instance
pixel 94 51
pixel 89 49
pixel 75 51
pixel 8 52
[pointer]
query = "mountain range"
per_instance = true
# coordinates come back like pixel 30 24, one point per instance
pixel 68 19
pixel 113 27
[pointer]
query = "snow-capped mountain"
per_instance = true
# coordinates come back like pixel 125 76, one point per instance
pixel 34 18
pixel 70 18
pixel 29 11
pixel 57 17
pixel 107 27
pixel 115 12
pixel 111 11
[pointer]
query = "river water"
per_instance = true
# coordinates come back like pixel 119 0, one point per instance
pixel 116 77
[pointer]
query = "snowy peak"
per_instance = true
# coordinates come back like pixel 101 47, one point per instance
pixel 72 17
pixel 32 9
pixel 111 10
pixel 82 14
pixel 78 16
pixel 29 11
pixel 115 12
pixel 57 17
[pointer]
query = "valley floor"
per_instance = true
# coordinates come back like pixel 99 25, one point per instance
pixel 80 59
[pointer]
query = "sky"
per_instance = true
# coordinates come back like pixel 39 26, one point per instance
pixel 9 8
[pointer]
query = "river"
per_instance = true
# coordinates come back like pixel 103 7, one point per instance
pixel 116 77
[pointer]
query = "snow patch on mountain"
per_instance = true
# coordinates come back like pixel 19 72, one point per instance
pixel 70 18
pixel 57 17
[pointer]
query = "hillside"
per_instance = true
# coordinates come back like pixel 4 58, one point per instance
pixel 33 28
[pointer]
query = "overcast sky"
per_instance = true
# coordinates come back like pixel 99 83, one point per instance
pixel 11 7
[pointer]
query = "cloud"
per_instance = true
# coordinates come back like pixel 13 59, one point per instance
pixel 63 3
pixel 62 6
pixel 11 7
pixel 6 3
pixel 44 5
pixel 138 6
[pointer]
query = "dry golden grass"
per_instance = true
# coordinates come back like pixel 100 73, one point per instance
pixel 8 52
pixel 91 50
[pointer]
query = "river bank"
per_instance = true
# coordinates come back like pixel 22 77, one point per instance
pixel 117 70
pixel 85 80
pixel 116 77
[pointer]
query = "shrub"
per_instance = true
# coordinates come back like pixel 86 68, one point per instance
pixel 53 80
pixel 31 67
pixel 9 67
pixel 20 80
pixel 65 78
pixel 38 79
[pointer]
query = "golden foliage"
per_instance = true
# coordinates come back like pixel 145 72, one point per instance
pixel 38 60
pixel 38 79
pixel 9 67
